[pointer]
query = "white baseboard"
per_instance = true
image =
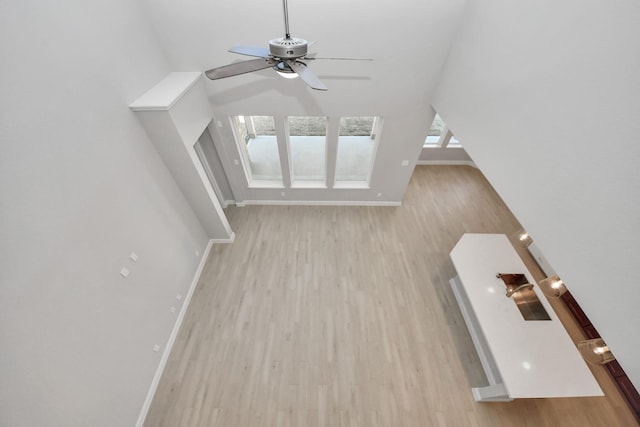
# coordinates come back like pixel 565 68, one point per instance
pixel 446 163
pixel 229 240
pixel 314 203
pixel 174 333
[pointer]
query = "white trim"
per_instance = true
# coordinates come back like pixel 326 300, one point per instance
pixel 378 122
pixel 241 146
pixel 165 94
pixel 446 163
pixel 265 183
pixel 445 136
pixel 229 240
pixel 314 203
pixel 309 184
pixel 172 337
pixel 207 169
pixel 351 185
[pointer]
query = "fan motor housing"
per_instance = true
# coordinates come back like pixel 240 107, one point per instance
pixel 288 48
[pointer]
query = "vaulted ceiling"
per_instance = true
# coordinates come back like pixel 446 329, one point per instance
pixel 408 40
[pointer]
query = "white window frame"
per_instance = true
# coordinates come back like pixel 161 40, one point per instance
pixel 283 138
pixel 445 140
pixel 296 183
pixel 376 130
pixel 246 162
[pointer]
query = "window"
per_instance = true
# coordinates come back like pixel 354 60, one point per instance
pixel 307 150
pixel 301 159
pixel 258 144
pixel 356 149
pixel 440 135
pixel 435 131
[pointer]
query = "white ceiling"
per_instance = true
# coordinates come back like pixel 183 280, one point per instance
pixel 408 40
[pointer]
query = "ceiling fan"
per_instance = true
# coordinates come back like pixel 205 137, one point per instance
pixel 285 55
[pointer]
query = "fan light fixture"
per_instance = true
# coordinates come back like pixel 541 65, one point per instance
pixel 289 75
pixel 285 71
pixel 284 55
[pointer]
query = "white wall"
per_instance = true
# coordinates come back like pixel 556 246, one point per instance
pixel 81 187
pixel 408 41
pixel 213 160
pixel 174 126
pixel 545 96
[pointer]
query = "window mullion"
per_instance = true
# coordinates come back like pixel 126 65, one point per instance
pixel 284 149
pixel 333 125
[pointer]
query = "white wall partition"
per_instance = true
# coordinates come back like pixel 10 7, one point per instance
pixel 82 188
pixel 545 97
pixel 175 113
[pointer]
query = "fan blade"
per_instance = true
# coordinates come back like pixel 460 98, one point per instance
pixel 260 52
pixel 239 68
pixel 307 75
pixel 312 58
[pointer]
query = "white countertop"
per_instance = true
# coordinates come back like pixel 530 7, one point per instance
pixel 535 358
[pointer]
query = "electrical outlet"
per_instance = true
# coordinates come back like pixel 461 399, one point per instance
pixel 405 163
pixel 379 194
pixel 197 253
pixel 172 309
pixel 124 272
pixel 133 256
pixel 282 193
pixel 156 348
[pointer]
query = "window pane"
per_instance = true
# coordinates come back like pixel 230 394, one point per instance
pixel 356 143
pixel 436 127
pixel 433 136
pixel 257 139
pixel 307 137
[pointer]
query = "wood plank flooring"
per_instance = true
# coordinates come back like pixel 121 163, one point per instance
pixel 343 316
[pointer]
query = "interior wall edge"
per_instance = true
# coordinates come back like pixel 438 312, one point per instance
pixel 172 338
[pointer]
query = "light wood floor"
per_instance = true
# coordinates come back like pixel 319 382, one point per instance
pixel 343 316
